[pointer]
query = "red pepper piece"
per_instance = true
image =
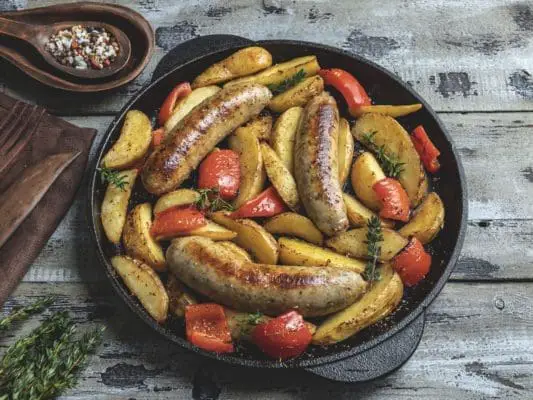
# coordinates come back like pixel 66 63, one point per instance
pixel 221 170
pixel 175 221
pixel 393 198
pixel 157 136
pixel 425 148
pixel 266 204
pixel 350 88
pixel 283 337
pixel 207 328
pixel 181 90
pixel 413 263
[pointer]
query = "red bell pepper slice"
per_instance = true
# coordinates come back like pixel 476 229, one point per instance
pixel 221 170
pixel 157 136
pixel 350 88
pixel 181 90
pixel 413 263
pixel 176 220
pixel 207 328
pixel 425 148
pixel 393 198
pixel 283 337
pixel 266 204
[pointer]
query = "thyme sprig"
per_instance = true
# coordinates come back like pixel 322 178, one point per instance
pixel 255 318
pixel 389 162
pixel 373 237
pixel 287 83
pixel 113 176
pixel 23 313
pixel 210 200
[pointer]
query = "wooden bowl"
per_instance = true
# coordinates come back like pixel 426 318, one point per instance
pixel 30 62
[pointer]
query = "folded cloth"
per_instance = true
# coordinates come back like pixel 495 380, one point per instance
pixel 53 136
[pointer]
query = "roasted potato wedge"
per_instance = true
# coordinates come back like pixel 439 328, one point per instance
pixel 353 243
pixel 260 126
pixel 280 177
pixel 241 63
pixel 253 175
pixel 284 136
pixel 238 252
pixel 176 198
pixel 179 296
pixel 186 104
pixel 137 239
pixel 427 221
pixel 281 72
pixel 251 236
pixel 145 284
pixel 294 224
pixel 115 206
pixel 133 142
pixel 382 298
pixel 358 214
pixel 365 172
pixel 298 95
pixel 391 111
pixel 395 141
pixel 346 149
pixel 297 252
pixel 213 231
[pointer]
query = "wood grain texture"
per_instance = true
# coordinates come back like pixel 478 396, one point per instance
pixel 474 347
pixel 471 55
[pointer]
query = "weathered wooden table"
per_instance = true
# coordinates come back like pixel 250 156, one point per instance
pixel 472 60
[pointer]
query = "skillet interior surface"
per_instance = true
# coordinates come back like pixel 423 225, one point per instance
pixel 383 88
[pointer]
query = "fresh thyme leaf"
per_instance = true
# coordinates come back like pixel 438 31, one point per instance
pixel 287 83
pixel 210 200
pixel 255 318
pixel 373 237
pixel 389 162
pixel 113 176
pixel 23 313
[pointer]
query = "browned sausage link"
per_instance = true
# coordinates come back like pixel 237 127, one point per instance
pixel 199 132
pixel 317 166
pixel 271 289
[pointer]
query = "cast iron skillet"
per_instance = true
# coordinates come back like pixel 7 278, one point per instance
pixel 384 88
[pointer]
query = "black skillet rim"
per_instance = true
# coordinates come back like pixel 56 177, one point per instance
pixel 319 360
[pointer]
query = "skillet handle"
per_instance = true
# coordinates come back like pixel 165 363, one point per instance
pixel 378 361
pixel 194 48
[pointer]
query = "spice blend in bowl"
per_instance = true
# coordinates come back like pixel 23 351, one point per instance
pixel 83 47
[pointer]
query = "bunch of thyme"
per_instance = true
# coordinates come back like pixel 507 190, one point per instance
pixel 210 200
pixel 374 235
pixel 113 176
pixel 389 162
pixel 287 83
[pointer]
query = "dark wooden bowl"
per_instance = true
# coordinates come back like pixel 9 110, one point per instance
pixel 30 62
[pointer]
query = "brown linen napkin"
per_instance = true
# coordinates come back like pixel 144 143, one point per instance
pixel 53 135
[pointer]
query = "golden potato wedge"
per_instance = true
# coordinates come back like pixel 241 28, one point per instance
pixel 213 231
pixel 294 224
pixel 115 206
pixel 381 299
pixel 133 143
pixel 260 126
pixel 238 252
pixel 297 252
pixel 176 198
pixel 241 63
pixel 185 105
pixel 427 220
pixel 346 148
pixel 179 296
pixel 298 95
pixel 365 172
pixel 353 243
pixel 280 177
pixel 144 284
pixel 278 73
pixel 358 214
pixel 391 111
pixel 137 239
pixel 251 236
pixel 387 132
pixel 241 324
pixel 253 175
pixel 284 136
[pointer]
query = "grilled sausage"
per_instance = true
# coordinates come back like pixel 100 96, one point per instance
pixel 316 170
pixel 271 289
pixel 199 132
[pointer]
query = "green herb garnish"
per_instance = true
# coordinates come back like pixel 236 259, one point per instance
pixel 22 313
pixel 389 162
pixel 287 83
pixel 255 318
pixel 210 200
pixel 373 237
pixel 113 176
